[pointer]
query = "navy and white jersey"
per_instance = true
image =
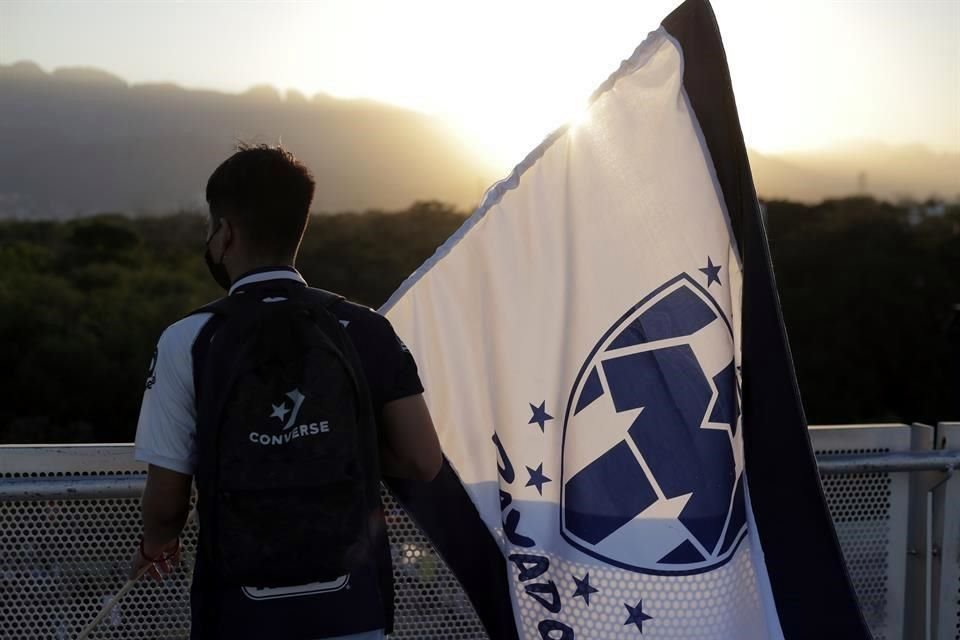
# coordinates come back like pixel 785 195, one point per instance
pixel 166 437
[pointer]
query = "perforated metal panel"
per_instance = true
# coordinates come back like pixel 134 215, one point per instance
pixel 61 559
pixel 869 512
pixel 948 602
pixel 429 600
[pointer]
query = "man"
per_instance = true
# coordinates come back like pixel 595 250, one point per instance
pixel 259 201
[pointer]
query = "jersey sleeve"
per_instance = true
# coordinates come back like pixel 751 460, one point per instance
pixel 401 377
pixel 166 430
pixel 387 363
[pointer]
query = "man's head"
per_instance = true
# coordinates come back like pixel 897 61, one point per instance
pixel 259 202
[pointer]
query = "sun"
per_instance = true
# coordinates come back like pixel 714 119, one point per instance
pixel 504 138
pixel 579 118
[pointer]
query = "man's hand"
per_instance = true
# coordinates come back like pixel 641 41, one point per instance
pixel 161 559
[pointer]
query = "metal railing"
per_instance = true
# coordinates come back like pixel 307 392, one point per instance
pixel 946 462
pixel 69 514
pixel 893 494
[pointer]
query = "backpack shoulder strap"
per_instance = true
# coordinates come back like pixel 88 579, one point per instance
pixel 325 300
pixel 221 309
pixel 221 306
pixel 321 297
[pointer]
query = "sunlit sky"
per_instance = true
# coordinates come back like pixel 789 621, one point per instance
pixel 807 74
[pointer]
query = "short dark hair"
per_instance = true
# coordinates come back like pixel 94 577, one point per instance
pixel 267 192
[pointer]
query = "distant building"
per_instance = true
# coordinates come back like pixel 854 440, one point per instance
pixel 923 211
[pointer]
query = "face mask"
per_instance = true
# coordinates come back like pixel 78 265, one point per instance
pixel 217 270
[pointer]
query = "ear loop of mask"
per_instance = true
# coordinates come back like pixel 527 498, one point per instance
pixel 223 251
pixel 217 271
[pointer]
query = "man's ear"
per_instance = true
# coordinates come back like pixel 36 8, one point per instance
pixel 229 234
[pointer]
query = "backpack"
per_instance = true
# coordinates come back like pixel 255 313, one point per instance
pixel 288 471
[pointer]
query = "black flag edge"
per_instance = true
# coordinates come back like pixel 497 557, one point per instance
pixel 811 587
pixel 444 511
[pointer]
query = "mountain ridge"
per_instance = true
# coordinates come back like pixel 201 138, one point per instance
pixel 80 140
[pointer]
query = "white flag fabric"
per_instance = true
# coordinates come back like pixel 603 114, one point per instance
pixel 580 341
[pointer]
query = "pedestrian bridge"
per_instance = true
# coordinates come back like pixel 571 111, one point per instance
pixel 69 520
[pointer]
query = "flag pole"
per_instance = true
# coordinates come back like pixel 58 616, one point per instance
pixel 127 586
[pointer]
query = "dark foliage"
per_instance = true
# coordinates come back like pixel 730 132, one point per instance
pixel 869 300
pixel 83 302
pixel 869 294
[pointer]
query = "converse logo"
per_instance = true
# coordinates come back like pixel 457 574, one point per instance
pixel 290 430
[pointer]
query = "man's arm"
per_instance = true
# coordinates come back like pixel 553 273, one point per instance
pixel 165 441
pixel 165 505
pixel 409 447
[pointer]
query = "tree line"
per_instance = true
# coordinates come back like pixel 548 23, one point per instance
pixel 869 290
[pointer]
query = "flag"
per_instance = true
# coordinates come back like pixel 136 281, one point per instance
pixel 606 363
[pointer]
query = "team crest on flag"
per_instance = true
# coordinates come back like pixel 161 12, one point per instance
pixel 650 479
